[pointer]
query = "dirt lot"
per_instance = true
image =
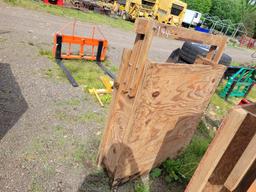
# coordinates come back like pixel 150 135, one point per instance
pixel 49 131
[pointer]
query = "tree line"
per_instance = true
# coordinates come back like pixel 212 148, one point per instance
pixel 236 10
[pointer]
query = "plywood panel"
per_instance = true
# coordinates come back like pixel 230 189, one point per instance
pixel 156 106
pixel 164 116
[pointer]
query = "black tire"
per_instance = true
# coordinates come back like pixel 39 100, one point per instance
pixel 225 60
pixel 174 57
pixel 53 1
pixel 189 53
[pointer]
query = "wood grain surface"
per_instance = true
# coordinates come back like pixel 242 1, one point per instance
pixel 225 165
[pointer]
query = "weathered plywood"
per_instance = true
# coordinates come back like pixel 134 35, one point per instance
pixel 225 166
pixel 156 107
pixel 164 117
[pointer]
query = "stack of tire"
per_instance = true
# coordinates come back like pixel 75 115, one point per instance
pixel 189 52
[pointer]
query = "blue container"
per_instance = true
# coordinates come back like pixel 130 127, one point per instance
pixel 203 30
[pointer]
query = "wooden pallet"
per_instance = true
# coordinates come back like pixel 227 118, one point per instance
pixel 156 107
pixel 229 164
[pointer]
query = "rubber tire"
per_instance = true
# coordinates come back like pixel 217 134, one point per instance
pixel 53 1
pixel 189 53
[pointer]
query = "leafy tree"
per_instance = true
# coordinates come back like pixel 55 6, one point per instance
pixel 202 6
pixel 228 9
pixel 248 15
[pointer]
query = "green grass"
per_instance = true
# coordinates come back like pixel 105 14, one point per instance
pixel 141 187
pixel 89 16
pixel 222 106
pixel 182 168
pixel 86 73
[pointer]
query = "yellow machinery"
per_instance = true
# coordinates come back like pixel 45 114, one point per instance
pixel 170 11
pixel 165 11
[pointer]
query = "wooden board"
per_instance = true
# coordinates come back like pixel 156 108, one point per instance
pixel 252 187
pixel 164 117
pixel 243 165
pixel 224 153
pixel 156 107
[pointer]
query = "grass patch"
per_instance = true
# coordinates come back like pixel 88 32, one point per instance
pixel 89 16
pixel 182 168
pixel 222 106
pixel 141 187
pixel 89 116
pixel 36 186
pixel 92 117
pixel 87 152
pixel 45 53
pixel 86 73
pixel 69 102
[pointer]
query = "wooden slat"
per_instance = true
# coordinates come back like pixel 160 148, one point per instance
pixel 181 33
pixel 211 52
pixel 242 166
pixel 139 55
pixel 215 151
pixel 108 137
pixel 252 187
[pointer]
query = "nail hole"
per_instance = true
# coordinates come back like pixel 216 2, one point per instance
pixel 156 94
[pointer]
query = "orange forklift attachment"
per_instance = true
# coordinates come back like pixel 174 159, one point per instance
pixel 61 39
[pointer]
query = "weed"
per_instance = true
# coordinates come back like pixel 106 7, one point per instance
pixel 87 152
pixel 36 187
pixel 49 170
pixel 140 187
pixel 2 39
pixel 46 53
pixel 82 16
pixel 155 173
pixel 91 116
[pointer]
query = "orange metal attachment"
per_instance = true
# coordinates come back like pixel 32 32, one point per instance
pixel 83 42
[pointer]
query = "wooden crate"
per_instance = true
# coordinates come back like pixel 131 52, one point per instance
pixel 229 164
pixel 156 107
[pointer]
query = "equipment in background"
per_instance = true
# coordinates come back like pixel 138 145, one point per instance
pixel 191 18
pixel 54 2
pixel 244 102
pixel 89 48
pixel 190 51
pixel 240 84
pixel 108 84
pixel 165 11
pixel 83 42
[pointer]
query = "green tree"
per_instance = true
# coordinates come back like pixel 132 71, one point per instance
pixel 228 9
pixel 203 6
pixel 248 16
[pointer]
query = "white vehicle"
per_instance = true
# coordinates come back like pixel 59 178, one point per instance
pixel 191 18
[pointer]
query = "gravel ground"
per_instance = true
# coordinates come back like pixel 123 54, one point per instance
pixel 49 130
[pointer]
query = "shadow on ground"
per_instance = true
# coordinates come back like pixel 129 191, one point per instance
pixel 95 182
pixel 12 102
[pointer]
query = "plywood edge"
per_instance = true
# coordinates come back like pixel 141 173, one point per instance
pixel 162 64
pixel 216 149
pixel 242 166
pixel 117 91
